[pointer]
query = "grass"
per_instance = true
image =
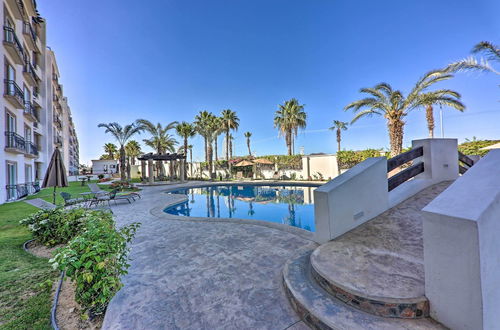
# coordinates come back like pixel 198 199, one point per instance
pixel 24 302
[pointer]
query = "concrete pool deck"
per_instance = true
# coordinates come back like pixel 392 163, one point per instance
pixel 196 274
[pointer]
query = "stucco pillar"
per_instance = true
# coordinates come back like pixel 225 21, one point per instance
pixel 440 159
pixel 151 174
pixel 181 170
pixel 143 170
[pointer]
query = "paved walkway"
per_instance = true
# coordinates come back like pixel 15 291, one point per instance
pixel 202 275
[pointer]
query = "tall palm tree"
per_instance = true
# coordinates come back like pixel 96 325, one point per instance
pixel 219 130
pixel 442 97
pixel 490 52
pixel 160 141
pixel 289 117
pixel 133 150
pixel 339 126
pixel 383 100
pixel 230 122
pixel 206 125
pixel 248 135
pixel 186 131
pixel 111 150
pixel 190 148
pixel 122 135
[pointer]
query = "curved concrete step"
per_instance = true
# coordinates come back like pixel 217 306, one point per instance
pixel 322 311
pixel 378 267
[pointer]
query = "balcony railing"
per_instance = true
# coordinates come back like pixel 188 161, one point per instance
pixel 13 90
pixel 18 191
pixel 58 140
pixel 10 37
pixel 28 29
pixel 15 141
pixel 30 111
pixel 28 68
pixel 57 121
pixel 31 149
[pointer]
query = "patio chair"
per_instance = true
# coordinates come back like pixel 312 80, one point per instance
pixel 71 201
pixel 111 196
pixel 41 204
pixel 94 188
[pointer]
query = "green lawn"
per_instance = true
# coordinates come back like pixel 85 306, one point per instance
pixel 23 303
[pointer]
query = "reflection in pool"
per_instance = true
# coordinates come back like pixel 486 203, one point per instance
pixel 290 205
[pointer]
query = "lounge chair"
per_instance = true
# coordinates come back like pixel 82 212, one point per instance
pixel 71 201
pixel 41 204
pixel 108 197
pixel 94 188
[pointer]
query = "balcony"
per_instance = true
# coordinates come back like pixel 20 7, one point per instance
pixel 14 94
pixel 31 150
pixel 37 101
pixel 57 121
pixel 18 191
pixel 17 8
pixel 13 45
pixel 30 111
pixel 31 35
pixel 14 143
pixel 30 74
pixel 58 140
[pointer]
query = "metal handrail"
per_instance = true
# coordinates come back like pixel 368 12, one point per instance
pixel 28 29
pixel 15 141
pixel 11 88
pixel 404 158
pixel 10 37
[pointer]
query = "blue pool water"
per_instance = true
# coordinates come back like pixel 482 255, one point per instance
pixel 290 205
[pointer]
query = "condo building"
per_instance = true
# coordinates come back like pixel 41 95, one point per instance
pixel 35 116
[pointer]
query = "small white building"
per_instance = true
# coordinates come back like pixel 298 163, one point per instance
pixel 105 166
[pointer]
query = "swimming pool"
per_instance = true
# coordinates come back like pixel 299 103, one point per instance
pixel 289 205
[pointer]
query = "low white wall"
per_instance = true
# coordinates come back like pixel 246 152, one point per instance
pixel 461 249
pixel 351 199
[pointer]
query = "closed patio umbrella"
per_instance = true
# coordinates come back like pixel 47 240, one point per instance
pixel 56 173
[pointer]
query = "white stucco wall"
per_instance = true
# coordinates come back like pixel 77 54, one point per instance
pixel 461 249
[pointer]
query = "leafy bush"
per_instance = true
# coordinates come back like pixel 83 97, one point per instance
pixel 348 158
pixel 472 147
pixel 95 260
pixel 52 227
pixel 120 185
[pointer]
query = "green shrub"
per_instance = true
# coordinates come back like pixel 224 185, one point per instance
pixel 473 147
pixel 95 260
pixel 349 158
pixel 52 227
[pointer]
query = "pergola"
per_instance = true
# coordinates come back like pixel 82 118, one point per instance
pixel 171 158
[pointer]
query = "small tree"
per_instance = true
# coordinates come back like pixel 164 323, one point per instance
pixel 339 126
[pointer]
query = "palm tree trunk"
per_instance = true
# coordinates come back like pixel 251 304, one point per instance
pixel 128 168
pixel 206 148
pixel 288 143
pixel 429 115
pixel 230 146
pixel 338 139
pixel 215 143
pixel 122 164
pixel 185 160
pixel 210 160
pixel 248 145
pixel 396 126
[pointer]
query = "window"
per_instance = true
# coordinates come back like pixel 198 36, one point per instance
pixel 10 123
pixel 27 133
pixel 11 180
pixel 28 173
pixel 27 94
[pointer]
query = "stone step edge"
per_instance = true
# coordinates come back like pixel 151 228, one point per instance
pixel 412 308
pixel 314 312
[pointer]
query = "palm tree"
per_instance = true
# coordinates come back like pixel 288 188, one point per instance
pixel 206 125
pixel 160 141
pixel 443 97
pixel 339 126
pixel 230 122
pixel 288 119
pixel 248 135
pixel 218 131
pixel 133 150
pixel 383 100
pixel 186 131
pixel 190 148
pixel 490 51
pixel 111 150
pixel 122 135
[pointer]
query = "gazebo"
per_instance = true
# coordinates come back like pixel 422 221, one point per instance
pixel 171 158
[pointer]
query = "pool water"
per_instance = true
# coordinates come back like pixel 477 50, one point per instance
pixel 290 205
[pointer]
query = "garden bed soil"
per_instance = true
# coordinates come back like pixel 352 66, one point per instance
pixel 68 310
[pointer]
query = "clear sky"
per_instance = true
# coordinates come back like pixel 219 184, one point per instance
pixel 166 60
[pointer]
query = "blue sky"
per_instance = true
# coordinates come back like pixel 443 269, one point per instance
pixel 121 60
